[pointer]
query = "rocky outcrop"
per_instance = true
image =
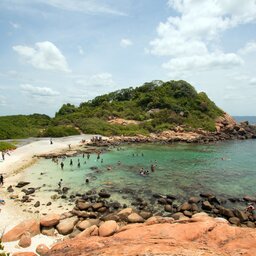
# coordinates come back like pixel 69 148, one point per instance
pixel 201 235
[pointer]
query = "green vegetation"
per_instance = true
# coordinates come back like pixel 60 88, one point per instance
pixel 59 131
pixel 2 252
pixel 21 126
pixel 6 146
pixel 157 106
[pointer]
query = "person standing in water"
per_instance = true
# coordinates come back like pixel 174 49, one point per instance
pixel 1 180
pixel 71 162
pixel 78 164
pixel 60 183
pixel 61 165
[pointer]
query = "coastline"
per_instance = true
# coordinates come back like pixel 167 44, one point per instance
pixel 13 212
pixel 22 158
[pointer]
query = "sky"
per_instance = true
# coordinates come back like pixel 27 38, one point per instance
pixel 69 51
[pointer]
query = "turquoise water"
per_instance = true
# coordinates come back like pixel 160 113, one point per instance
pixel 226 169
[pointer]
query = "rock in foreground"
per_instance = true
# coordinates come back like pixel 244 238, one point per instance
pixel 200 235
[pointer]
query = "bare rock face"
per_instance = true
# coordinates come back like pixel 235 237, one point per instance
pixel 108 228
pixel 50 220
pixel 201 235
pixel 31 226
pixel 66 226
pixel 42 249
pixel 25 240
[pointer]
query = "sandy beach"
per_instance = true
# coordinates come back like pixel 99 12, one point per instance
pixel 13 212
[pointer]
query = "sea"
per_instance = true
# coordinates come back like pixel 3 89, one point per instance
pixel 225 169
pixel 250 119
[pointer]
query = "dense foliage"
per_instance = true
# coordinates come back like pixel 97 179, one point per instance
pixel 6 146
pixel 21 126
pixel 157 106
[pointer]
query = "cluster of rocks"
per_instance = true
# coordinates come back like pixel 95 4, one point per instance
pixel 226 129
pixel 211 205
pixel 94 214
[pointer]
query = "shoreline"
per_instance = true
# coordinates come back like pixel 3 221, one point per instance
pixel 21 158
pixel 12 212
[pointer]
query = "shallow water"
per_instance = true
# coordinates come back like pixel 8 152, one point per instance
pixel 226 169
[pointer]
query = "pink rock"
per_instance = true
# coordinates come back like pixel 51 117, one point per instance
pixel 24 254
pixel 42 249
pixel 31 226
pixel 108 228
pixel 50 220
pixel 25 240
pixel 91 231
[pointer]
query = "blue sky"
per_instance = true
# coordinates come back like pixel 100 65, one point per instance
pixel 59 51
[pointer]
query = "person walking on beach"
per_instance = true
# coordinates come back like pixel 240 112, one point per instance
pixel 61 165
pixel 3 155
pixel 51 141
pixel 1 180
pixel 60 183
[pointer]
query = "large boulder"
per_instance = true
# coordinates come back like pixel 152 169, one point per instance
pixel 206 205
pixel 135 218
pixel 81 205
pixel 108 228
pixel 31 226
pixel 87 223
pixel 50 220
pixel 25 240
pixel 42 249
pixel 48 231
pixel 91 231
pixel 185 207
pixel 22 184
pixel 66 226
pixel 241 215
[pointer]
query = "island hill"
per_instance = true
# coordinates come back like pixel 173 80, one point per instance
pixel 170 110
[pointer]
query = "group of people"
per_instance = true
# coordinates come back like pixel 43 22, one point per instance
pixel 96 139
pixel 146 172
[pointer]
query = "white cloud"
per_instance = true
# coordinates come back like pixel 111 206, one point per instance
pixel 15 25
pixel 45 55
pixel 180 65
pixel 98 80
pixel 193 35
pixel 2 101
pixel 38 91
pixel 248 48
pixel 80 50
pixel 86 6
pixel 252 81
pixel 125 42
